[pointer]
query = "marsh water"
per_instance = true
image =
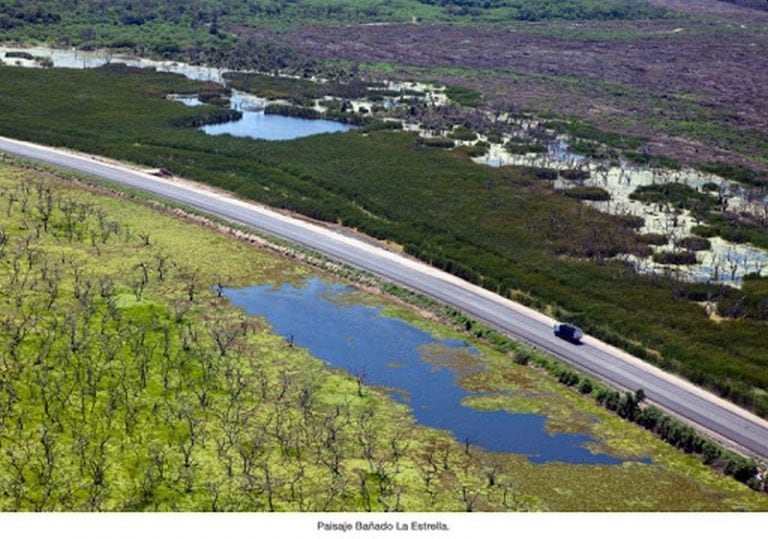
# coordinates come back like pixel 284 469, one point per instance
pixel 253 124
pixel 417 368
pixel 77 59
pixel 256 124
pixel 724 262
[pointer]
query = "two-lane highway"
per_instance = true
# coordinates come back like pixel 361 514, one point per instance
pixel 699 408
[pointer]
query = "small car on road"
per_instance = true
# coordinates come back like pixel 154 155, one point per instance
pixel 568 332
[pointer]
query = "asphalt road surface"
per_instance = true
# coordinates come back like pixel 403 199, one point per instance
pixel 701 409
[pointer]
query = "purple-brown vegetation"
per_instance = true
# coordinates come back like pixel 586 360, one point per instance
pixel 694 86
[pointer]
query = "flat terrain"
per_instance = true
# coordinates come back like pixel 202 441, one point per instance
pixel 135 387
pixel 693 86
pixel 720 417
pixel 502 228
pixel 687 75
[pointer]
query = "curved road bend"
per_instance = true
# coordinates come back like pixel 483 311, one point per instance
pixel 698 407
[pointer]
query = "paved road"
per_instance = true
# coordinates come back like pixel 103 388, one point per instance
pixel 699 408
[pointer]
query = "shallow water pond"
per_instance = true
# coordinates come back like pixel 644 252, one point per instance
pixel 418 369
pixel 77 59
pixel 258 125
pixel 253 124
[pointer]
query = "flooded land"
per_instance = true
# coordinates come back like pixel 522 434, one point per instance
pixel 388 156
pixel 455 187
pixel 368 392
pixel 412 364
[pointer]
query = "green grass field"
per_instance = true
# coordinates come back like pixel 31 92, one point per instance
pixel 128 384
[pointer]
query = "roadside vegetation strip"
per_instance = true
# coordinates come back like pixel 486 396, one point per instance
pixel 547 251
pixel 179 402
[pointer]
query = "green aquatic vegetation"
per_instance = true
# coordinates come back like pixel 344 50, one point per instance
pixel 525 147
pixel 708 207
pixel 704 231
pixel 575 174
pixel 677 258
pixel 581 130
pixel 471 151
pixel 739 173
pixel 695 243
pixel 750 302
pixel 298 91
pixel 501 228
pixel 436 142
pixel 731 228
pixel 660 161
pixel 467 97
pixel 462 133
pixel 654 238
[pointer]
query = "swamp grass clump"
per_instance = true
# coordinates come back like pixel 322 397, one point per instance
pixel 539 173
pixel 676 195
pixel 636 222
pixel 654 238
pixel 462 133
pixel 294 111
pixel 210 116
pixel 587 193
pixel 299 92
pixel 648 160
pixel 704 231
pixel 466 97
pixel 695 243
pixel 523 148
pixel 437 142
pixel 750 302
pixel 581 130
pixel 22 55
pixel 675 258
pixel 575 174
pixel 736 172
pixel 381 125
pixel 737 230
pixel 475 150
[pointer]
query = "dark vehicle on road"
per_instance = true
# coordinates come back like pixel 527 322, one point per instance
pixel 568 332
